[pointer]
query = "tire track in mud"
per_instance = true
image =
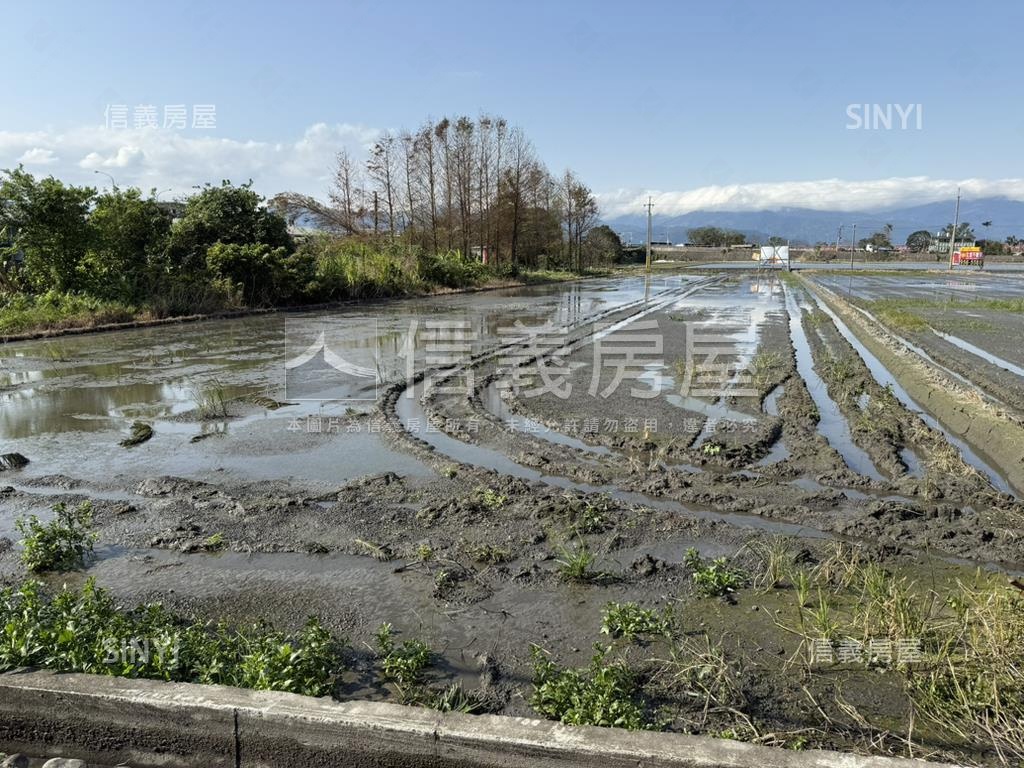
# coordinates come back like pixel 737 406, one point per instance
pixel 913 382
pixel 399 408
pixel 444 449
pixel 832 424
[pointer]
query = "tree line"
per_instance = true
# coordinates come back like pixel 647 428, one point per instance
pixel 424 210
pixel 472 185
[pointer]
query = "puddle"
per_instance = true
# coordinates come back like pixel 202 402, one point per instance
pixel 776 453
pixel 495 404
pixel 771 400
pixel 914 466
pixel 832 424
pixel 410 412
pixel 984 355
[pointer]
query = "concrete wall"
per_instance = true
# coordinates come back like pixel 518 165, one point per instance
pixel 146 723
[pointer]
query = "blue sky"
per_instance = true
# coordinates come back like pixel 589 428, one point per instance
pixel 715 104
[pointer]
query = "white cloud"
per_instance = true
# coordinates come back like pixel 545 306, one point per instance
pixel 38 156
pixel 825 194
pixel 178 160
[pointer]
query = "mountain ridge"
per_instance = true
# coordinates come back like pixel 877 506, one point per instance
pixel 809 226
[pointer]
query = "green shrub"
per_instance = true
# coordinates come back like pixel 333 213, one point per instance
pixel 84 631
pixel 606 694
pixel 451 269
pixel 628 620
pixel 404 664
pixel 63 544
pixel 716 578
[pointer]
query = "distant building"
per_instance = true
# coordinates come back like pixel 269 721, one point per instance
pixel 940 244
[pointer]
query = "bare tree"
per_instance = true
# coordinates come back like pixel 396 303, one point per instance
pixel 382 171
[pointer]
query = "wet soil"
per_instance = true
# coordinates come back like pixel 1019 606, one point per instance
pixel 453 530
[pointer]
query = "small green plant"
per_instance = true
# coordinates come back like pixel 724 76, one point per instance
pixel 405 664
pixel 711 449
pixel 490 499
pixel 63 544
pixel 211 401
pixel 605 694
pixel 628 620
pixel 576 564
pixel 424 552
pixel 215 542
pixel 717 578
pixel 588 515
pixel 450 471
pixel 489 554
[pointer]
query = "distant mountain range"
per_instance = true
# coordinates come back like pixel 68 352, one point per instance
pixel 807 226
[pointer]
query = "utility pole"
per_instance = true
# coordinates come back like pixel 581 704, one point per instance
pixel 956 224
pixel 650 205
pixel 853 245
pixel 839 236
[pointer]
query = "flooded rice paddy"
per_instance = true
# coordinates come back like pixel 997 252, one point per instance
pixel 430 462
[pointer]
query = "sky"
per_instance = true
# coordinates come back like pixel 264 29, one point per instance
pixel 726 104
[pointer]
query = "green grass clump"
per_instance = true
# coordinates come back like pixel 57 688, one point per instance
pixel 604 694
pixel 211 401
pixel 629 620
pixel 20 312
pixel 715 578
pixel 576 564
pixel 85 631
pixel 405 664
pixel 490 499
pixel 141 432
pixel 63 544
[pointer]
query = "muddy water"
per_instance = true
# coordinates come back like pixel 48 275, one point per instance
pixel 66 403
pixel 933 286
pixel 886 379
pixel 976 350
pixel 832 424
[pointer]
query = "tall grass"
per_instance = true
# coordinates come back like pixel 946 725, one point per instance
pixel 21 312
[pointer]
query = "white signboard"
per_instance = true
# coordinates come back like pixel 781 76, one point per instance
pixel 774 255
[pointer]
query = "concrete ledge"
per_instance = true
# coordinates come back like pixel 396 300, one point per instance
pixel 148 723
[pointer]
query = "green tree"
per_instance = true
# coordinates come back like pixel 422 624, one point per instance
pixel 714 237
pixel 992 248
pixel 129 233
pixel 50 224
pixel 878 240
pixel 233 215
pixel 602 245
pixel 776 240
pixel 964 233
pixel 262 274
pixel 919 241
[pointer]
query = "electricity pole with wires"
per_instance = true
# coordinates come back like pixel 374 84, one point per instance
pixel 853 245
pixel 956 225
pixel 650 205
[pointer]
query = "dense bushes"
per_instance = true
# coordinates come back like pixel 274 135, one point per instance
pixel 71 257
pixel 84 631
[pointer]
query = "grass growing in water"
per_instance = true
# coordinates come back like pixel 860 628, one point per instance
pixel 211 401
